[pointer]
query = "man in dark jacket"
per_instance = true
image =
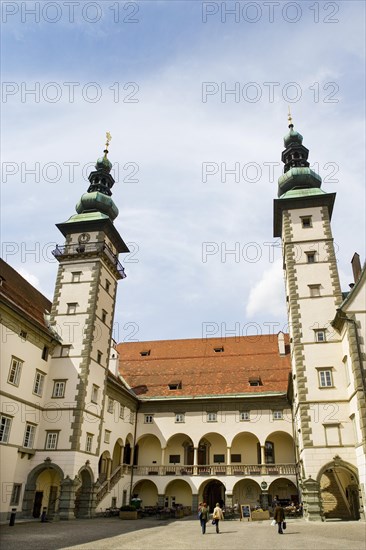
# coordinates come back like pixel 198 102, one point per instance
pixel 203 514
pixel 279 517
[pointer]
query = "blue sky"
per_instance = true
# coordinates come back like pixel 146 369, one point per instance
pixel 167 133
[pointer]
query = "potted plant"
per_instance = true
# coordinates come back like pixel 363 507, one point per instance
pixel 128 512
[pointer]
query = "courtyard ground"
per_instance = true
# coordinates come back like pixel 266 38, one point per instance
pixel 152 534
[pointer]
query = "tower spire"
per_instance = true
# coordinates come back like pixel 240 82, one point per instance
pixel 297 172
pixel 289 117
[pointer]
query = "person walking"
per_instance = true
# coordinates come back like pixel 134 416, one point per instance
pixel 203 516
pixel 217 516
pixel 279 517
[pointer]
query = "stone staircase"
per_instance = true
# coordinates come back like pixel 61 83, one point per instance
pixel 335 504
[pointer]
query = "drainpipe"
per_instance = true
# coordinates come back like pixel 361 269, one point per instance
pixel 133 454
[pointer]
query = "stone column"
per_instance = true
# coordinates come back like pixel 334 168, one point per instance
pixel 67 497
pixel 264 500
pixel 121 455
pixel 229 500
pixel 195 460
pixel 194 503
pixel 311 499
pixel 263 454
pixel 163 456
pixel 228 456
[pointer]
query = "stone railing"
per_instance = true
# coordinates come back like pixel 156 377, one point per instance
pixel 217 470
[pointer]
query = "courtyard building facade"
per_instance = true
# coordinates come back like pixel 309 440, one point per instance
pixel 88 424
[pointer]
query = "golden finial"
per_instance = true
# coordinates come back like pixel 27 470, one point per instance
pixel 109 137
pixel 289 117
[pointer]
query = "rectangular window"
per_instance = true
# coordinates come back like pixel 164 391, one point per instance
pixel 174 459
pixel 107 436
pixel 107 285
pixel 179 418
pixel 38 383
pixel 235 458
pixel 145 353
pixel 121 411
pixel 15 371
pixel 99 357
pixel 212 417
pixel 306 222
pixel 277 415
pixel 30 430
pixel 332 435
pixel 320 335
pixel 219 350
pixel 104 316
pixel 5 423
pixel 314 290
pixel 65 351
pixel 94 394
pixel 132 417
pixel 59 388
pixel 75 276
pixel 244 416
pixel 89 443
pixel 310 257
pixel 110 407
pixel 255 381
pixel 15 494
pixel 325 378
pixel 51 441
pixel 23 334
pixel 45 353
pixel 149 418
pixel 71 308
pixel 219 459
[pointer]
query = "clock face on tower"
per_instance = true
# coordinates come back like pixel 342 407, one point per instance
pixel 84 238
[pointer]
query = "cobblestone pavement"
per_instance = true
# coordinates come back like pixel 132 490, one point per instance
pixel 152 534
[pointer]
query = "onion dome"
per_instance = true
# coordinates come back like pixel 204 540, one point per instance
pixel 297 171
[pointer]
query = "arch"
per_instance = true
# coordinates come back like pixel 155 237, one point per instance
pixel 247 491
pixel 42 489
pixel 117 454
pixel 284 489
pixel 178 491
pixel 212 491
pixel 279 448
pixel 104 466
pixel 339 490
pixel 181 445
pixel 212 448
pixel 244 445
pixel 147 491
pixel 148 450
pixel 84 501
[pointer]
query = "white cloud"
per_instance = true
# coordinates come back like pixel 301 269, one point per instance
pixel 267 296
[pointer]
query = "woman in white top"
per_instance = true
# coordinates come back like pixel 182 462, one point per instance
pixel 217 516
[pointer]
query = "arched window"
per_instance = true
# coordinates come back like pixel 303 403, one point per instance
pixel 269 453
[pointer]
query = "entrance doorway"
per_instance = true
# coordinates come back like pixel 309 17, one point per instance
pixel 37 505
pixel 214 492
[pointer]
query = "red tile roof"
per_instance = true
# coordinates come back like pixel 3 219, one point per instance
pixel 17 293
pixel 201 370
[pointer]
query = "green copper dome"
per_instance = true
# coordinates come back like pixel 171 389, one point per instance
pixel 297 172
pixel 103 163
pixel 292 137
pixel 97 202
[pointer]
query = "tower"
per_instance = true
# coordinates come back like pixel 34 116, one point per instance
pixel 302 215
pixel 82 313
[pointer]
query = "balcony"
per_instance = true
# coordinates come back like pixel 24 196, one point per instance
pixel 217 470
pixel 89 249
